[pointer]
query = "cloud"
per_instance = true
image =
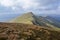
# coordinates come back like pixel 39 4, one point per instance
pixel 25 4
pixel 6 3
pixel 30 5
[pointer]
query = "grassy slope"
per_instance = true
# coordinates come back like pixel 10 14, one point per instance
pixel 25 18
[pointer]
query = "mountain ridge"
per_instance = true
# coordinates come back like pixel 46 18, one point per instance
pixel 30 18
pixel 25 18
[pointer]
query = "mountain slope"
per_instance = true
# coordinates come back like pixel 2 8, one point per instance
pixel 30 18
pixel 42 21
pixel 25 18
pixel 18 31
pixel 53 21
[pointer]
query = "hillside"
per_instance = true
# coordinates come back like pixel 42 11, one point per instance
pixel 30 18
pixel 18 31
pixel 48 22
pixel 25 18
pixel 53 21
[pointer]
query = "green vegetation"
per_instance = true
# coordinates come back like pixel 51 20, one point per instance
pixel 25 18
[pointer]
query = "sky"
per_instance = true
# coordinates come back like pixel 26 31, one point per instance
pixel 10 7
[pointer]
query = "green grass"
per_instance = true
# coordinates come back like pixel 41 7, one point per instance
pixel 25 18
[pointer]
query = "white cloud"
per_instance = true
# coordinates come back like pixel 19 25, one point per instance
pixel 41 5
pixel 25 4
pixel 6 3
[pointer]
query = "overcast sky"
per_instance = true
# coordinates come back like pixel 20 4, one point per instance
pixel 9 8
pixel 36 6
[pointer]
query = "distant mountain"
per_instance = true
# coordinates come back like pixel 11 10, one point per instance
pixel 57 17
pixel 43 21
pixel 53 21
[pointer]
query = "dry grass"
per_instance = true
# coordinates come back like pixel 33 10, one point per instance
pixel 18 31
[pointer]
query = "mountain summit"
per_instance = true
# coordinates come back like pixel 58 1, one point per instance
pixel 25 18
